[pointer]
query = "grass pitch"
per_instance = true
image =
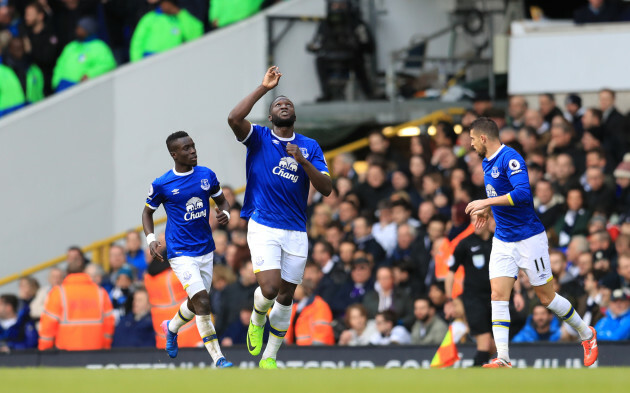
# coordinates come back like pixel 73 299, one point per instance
pixel 609 380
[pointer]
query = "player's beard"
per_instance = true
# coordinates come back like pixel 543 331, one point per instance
pixel 481 151
pixel 280 122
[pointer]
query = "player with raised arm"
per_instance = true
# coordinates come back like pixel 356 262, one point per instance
pixel 280 165
pixel 185 192
pixel 520 241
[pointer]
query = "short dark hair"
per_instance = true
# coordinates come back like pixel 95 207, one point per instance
pixel 607 90
pixel 389 316
pixel 173 137
pixel 276 99
pixel 486 126
pixel 38 7
pixel 11 300
pixel 426 299
pixel 327 246
pixel 597 113
pixel 597 150
pixel 548 95
pixel 402 203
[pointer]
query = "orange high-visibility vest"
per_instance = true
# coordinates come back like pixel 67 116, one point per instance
pixel 166 294
pixel 458 281
pixel 313 325
pixel 77 316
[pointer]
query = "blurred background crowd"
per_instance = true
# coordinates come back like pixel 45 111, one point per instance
pixel 381 245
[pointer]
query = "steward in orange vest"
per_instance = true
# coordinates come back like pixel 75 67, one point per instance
pixel 77 315
pixel 166 294
pixel 310 319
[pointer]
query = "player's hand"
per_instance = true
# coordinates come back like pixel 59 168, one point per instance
pixel 272 77
pixel 155 252
pixel 221 216
pixel 449 310
pixel 476 207
pixel 295 151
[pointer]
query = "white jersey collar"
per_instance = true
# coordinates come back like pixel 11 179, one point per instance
pixel 183 174
pixel 495 153
pixel 284 139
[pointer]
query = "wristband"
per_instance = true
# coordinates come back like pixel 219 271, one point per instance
pixel 227 213
pixel 150 238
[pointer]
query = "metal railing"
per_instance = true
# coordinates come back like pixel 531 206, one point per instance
pixel 99 250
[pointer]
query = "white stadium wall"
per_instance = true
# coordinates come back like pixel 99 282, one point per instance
pixel 77 166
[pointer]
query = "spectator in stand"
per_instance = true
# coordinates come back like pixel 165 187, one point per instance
pixel 542 325
pixel 353 290
pixel 27 289
pixel 136 328
pixel 343 166
pixel 623 270
pixel 11 94
pixel 85 58
pixel 236 294
pixel 122 293
pixel 117 261
pixel 89 326
pixel 597 11
pixel 97 274
pixel 601 194
pixel 17 330
pixel 613 123
pixel 570 287
pixel 428 328
pixel 55 277
pixel 615 325
pixel 575 219
pixel 548 108
pixel 516 112
pixel 412 250
pixel 548 205
pixel 40 43
pixel 236 333
pixel 380 147
pixel 534 119
pixel 622 178
pixel 562 135
pixel 321 218
pixel 220 243
pixel 401 214
pixel 481 103
pixel 225 12
pixel 384 230
pixel 359 329
pixel 365 241
pixel 29 74
pixel 335 234
pixel 386 296
pixel 135 254
pixel 565 174
pixel 167 27
pixel 426 211
pixel 222 276
pixel 322 254
pixel 574 113
pixel 375 188
pixel 387 331
pixel 311 318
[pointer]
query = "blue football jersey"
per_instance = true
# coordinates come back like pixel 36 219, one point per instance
pixel 186 199
pixel 506 173
pixel 277 186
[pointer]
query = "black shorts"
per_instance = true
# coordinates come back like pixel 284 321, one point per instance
pixel 478 313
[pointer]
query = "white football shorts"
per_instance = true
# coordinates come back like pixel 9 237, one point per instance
pixel 195 273
pixel 530 255
pixel 282 249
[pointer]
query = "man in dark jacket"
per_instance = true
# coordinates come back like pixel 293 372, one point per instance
pixel 136 328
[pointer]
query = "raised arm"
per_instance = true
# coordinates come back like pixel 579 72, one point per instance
pixel 236 119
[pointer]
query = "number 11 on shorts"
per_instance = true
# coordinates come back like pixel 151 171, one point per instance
pixel 542 264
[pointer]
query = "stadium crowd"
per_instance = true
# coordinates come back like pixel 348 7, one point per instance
pixel 47 46
pixel 382 244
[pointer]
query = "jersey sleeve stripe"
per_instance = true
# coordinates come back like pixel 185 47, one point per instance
pixel 150 207
pixel 251 129
pixel 510 199
pixel 326 173
pixel 217 193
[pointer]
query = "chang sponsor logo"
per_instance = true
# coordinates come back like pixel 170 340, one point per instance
pixel 285 167
pixel 194 209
